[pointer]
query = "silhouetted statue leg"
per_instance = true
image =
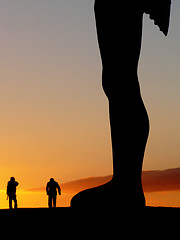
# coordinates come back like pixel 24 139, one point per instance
pixel 119 30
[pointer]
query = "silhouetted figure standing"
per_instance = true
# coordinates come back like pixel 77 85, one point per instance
pixel 51 190
pixel 11 192
pixel 119 31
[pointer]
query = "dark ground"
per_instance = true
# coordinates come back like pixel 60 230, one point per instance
pixel 68 214
pixel 152 222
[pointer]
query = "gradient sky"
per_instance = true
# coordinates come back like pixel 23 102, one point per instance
pixel 54 114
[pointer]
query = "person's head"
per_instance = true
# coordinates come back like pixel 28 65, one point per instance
pixel 12 179
pixel 51 179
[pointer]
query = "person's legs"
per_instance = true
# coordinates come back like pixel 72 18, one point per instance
pixel 10 202
pixel 54 201
pixel 50 201
pixel 15 202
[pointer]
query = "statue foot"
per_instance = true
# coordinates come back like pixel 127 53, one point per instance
pixel 109 195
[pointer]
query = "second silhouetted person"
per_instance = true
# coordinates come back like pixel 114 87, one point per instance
pixel 11 192
pixel 51 190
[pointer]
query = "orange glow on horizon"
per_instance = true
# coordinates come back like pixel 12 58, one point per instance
pixel 36 199
pixel 164 199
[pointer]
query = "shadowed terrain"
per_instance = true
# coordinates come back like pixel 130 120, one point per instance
pixel 54 222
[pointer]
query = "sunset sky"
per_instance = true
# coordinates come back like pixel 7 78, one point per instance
pixel 54 114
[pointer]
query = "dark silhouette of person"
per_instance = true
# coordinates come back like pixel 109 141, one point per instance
pixel 51 190
pixel 119 32
pixel 11 192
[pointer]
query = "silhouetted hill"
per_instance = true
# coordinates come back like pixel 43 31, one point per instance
pixel 164 180
pixel 81 184
pixel 157 180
